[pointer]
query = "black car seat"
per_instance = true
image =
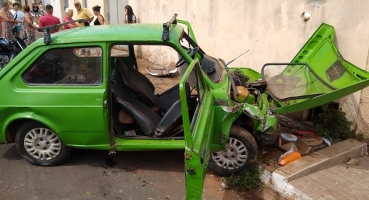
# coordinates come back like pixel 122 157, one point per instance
pixel 149 121
pixel 142 87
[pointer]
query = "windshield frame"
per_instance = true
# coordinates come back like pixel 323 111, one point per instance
pixel 300 96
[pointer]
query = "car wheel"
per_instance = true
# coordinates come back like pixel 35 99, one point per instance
pixel 239 154
pixel 40 145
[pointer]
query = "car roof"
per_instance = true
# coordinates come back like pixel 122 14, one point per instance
pixel 113 33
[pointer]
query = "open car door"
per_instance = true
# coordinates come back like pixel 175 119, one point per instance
pixel 317 75
pixel 198 132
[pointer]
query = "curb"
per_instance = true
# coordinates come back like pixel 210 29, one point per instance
pixel 339 153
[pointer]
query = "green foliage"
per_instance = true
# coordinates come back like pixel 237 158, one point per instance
pixel 360 137
pixel 332 123
pixel 247 180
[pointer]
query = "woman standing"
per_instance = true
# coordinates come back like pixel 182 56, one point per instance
pixel 29 27
pixel 1 26
pixel 7 22
pixel 99 18
pixel 35 10
pixel 130 17
pixel 68 18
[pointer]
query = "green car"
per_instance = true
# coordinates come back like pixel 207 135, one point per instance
pixel 81 89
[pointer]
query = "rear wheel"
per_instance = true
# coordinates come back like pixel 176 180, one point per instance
pixel 40 145
pixel 239 154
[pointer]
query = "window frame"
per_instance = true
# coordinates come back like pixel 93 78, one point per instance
pixel 42 54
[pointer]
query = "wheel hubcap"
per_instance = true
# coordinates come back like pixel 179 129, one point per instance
pixel 233 156
pixel 42 144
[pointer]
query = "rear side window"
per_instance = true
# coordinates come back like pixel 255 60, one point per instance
pixel 67 66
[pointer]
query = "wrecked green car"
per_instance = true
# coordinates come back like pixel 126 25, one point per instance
pixel 81 89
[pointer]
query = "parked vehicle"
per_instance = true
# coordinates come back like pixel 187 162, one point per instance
pixel 81 89
pixel 9 49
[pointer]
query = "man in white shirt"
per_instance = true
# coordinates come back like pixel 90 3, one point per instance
pixel 19 16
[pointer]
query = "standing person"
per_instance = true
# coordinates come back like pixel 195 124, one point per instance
pixel 82 13
pixel 7 22
pixel 130 17
pixel 1 26
pixel 48 19
pixel 41 8
pixel 67 18
pixel 29 27
pixel 35 10
pixel 99 18
pixel 19 16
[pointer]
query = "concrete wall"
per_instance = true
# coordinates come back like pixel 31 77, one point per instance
pixel 272 30
pixel 116 11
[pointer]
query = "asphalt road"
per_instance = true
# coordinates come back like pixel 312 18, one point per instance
pixel 89 174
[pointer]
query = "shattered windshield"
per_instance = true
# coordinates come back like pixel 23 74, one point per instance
pixel 293 81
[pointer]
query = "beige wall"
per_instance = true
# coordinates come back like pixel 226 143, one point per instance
pixel 272 30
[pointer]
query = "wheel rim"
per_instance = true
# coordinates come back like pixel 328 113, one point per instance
pixel 42 144
pixel 233 156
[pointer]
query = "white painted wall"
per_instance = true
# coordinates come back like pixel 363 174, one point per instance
pixel 116 11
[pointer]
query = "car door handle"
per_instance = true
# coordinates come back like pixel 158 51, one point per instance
pixel 105 103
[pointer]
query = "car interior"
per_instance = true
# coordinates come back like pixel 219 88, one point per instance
pixel 137 111
pixel 74 66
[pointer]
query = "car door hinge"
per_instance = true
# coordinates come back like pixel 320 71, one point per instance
pixel 105 103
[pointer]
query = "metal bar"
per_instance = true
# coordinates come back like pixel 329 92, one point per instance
pixel 57 26
pixel 166 26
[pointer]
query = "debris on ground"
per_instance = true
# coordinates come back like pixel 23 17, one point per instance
pixel 156 70
pixel 287 142
pixel 224 186
pixel 353 161
pixel 289 157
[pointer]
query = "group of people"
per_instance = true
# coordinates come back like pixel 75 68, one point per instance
pixel 9 19
pixel 82 13
pixel 16 20
pixel 37 10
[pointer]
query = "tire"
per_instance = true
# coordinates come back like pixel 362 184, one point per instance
pixel 40 145
pixel 239 154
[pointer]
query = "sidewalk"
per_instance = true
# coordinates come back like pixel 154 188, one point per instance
pixel 338 182
pixel 324 174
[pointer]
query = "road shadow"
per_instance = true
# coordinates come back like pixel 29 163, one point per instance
pixel 131 161
pixel 128 161
pixel 11 153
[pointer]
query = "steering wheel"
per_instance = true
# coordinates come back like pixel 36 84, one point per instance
pixel 191 53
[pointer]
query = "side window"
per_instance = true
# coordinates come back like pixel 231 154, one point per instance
pixel 119 51
pixel 67 66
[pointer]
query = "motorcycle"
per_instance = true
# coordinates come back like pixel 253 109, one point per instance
pixel 11 48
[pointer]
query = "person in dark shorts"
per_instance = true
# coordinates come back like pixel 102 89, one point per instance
pixel 35 10
pixel 19 16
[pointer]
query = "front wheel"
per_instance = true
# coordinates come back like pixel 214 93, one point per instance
pixel 239 154
pixel 40 145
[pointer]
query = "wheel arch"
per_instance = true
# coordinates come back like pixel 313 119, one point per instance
pixel 13 123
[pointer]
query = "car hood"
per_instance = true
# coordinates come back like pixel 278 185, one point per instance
pixel 318 74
